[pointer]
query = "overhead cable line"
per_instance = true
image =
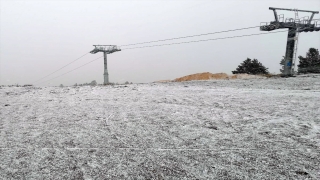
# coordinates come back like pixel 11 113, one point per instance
pixel 146 43
pixel 190 36
pixel 167 45
pixel 59 69
pixel 231 37
pixel 70 71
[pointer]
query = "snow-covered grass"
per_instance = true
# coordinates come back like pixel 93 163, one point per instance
pixel 217 129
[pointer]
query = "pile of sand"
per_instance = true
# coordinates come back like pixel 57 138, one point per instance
pixel 202 76
pixel 208 76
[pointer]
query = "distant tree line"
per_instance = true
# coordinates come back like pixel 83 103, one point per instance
pixel 308 64
pixel 17 85
pixel 93 83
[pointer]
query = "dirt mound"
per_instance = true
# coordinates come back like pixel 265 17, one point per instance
pixel 208 76
pixel 202 76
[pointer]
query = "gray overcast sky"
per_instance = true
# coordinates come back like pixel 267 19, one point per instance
pixel 39 37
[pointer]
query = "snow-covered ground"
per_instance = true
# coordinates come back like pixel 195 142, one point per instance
pixel 217 129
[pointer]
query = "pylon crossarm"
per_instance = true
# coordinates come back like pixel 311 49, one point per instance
pixel 273 8
pixel 305 24
pixel 105 48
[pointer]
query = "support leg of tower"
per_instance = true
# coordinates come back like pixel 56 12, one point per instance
pixel 105 74
pixel 289 52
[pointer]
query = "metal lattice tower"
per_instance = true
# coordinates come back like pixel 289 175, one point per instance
pixel 295 26
pixel 106 49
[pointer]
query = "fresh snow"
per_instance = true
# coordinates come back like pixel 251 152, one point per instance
pixel 216 129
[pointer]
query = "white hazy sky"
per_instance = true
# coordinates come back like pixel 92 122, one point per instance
pixel 39 37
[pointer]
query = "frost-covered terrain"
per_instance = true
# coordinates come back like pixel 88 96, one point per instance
pixel 222 129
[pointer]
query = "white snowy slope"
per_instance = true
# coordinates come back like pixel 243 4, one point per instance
pixel 217 129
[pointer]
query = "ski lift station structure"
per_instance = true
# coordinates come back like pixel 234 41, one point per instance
pixel 106 49
pixel 295 26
